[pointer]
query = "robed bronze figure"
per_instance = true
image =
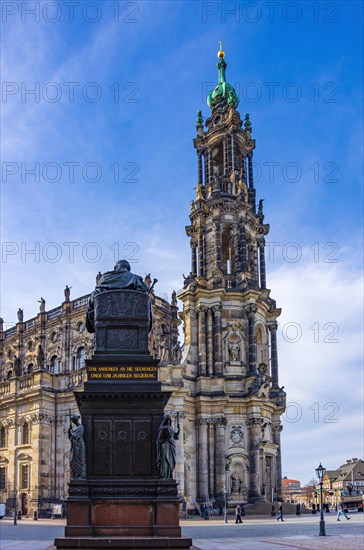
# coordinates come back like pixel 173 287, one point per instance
pixel 78 450
pixel 166 448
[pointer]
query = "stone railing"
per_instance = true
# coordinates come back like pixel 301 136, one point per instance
pixel 31 323
pixel 10 332
pixel 77 304
pixel 5 388
pixel 26 382
pixel 54 313
pixel 77 378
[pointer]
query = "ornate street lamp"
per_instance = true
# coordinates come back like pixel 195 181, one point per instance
pixel 225 489
pixel 225 506
pixel 320 475
pixel 15 508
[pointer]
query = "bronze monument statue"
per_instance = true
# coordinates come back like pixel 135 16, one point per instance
pixel 166 448
pixel 121 483
pixel 78 450
pixel 119 279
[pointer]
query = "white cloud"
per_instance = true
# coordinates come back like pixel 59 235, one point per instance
pixel 323 379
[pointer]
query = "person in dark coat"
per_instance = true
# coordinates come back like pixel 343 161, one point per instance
pixel 238 514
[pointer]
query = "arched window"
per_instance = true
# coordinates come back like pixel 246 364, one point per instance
pixel 24 476
pixel 2 478
pixel 30 368
pixel 2 437
pixel 54 365
pixel 80 358
pixel 25 434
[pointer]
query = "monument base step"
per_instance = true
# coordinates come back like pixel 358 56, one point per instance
pixel 126 543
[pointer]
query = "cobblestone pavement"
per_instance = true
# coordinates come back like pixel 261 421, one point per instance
pixel 254 534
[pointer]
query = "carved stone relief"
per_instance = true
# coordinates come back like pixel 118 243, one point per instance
pixel 237 436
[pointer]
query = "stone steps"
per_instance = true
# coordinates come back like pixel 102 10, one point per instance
pixel 265 508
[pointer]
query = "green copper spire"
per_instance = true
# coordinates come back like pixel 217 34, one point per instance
pixel 223 90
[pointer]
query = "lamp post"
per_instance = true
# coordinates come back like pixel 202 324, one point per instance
pixel 320 470
pixel 225 506
pixel 15 508
pixel 227 481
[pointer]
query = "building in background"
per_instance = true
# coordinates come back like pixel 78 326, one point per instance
pixel 42 362
pixel 225 390
pixel 291 490
pixel 346 480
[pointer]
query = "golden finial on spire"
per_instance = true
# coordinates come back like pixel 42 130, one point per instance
pixel 220 53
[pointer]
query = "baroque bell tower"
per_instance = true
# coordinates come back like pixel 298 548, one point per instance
pixel 230 320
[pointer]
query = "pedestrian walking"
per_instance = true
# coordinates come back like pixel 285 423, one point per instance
pixel 280 513
pixel 341 512
pixel 238 514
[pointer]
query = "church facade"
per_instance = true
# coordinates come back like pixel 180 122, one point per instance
pixel 225 391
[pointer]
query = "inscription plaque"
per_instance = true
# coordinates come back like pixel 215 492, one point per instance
pixel 122 372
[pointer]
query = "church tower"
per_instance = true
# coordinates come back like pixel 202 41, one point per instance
pixel 230 320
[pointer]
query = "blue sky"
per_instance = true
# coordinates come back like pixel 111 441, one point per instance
pixel 122 92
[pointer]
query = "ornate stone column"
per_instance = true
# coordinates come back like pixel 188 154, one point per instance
pixel 254 425
pixel 202 339
pixel 250 171
pixel 233 151
pixel 263 283
pixel 228 150
pixel 225 154
pixel 205 262
pixel 242 247
pixel 193 257
pixel 220 456
pixel 243 168
pixel 202 475
pixel 211 169
pixel 207 172
pixel 251 311
pixel 218 244
pixel 235 250
pixel 201 252
pixel 210 343
pixel 218 339
pixel 251 191
pixel 277 440
pixel 274 354
pixel 200 173
pixel 212 447
pixel 255 262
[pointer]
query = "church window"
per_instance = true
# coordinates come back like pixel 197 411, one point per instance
pixel 2 478
pixel 25 434
pixel 24 476
pixel 54 365
pixel 2 437
pixel 80 358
